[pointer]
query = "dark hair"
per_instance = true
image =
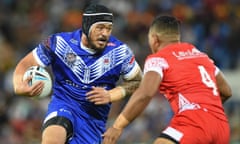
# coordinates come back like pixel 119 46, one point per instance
pixel 166 23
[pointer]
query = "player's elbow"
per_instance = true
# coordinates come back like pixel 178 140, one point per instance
pixel 225 93
pixel 223 87
pixel 228 92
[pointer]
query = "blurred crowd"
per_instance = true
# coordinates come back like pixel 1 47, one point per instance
pixel 212 25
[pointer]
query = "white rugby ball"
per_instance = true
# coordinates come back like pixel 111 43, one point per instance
pixel 38 73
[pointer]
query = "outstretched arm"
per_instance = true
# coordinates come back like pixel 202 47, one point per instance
pixel 135 106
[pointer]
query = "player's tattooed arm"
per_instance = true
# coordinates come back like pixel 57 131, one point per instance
pixel 130 82
pixel 130 86
pixel 126 88
pixel 99 95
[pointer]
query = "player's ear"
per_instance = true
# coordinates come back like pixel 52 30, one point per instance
pixel 156 40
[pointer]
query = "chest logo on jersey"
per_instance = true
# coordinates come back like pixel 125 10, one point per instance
pixel 70 58
pixel 87 71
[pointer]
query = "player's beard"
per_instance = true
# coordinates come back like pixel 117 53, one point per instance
pixel 95 47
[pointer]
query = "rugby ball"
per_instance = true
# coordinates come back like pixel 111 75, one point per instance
pixel 39 73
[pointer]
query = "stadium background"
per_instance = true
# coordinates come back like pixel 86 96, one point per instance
pixel 212 25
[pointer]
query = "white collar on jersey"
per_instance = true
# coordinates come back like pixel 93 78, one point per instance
pixel 91 51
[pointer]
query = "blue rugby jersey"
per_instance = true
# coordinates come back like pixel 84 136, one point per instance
pixel 76 69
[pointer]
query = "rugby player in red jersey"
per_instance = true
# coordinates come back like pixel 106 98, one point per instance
pixel 195 88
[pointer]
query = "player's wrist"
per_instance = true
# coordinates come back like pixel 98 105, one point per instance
pixel 121 122
pixel 117 93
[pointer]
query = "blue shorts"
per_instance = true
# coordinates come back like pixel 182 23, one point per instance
pixel 86 130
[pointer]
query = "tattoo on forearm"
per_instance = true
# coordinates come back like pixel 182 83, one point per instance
pixel 131 85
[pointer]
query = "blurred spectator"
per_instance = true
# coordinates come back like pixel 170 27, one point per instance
pixel 234 44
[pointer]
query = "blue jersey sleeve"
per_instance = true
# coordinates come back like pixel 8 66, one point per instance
pixel 43 53
pixel 130 66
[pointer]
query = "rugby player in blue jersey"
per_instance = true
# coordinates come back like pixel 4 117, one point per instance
pixel 86 65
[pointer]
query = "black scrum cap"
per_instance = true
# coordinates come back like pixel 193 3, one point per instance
pixel 95 13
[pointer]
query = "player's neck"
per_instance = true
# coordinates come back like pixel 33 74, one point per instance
pixel 165 43
pixel 85 45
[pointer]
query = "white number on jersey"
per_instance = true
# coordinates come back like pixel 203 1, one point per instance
pixel 206 79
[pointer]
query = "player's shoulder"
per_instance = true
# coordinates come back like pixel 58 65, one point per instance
pixel 115 42
pixel 67 37
pixel 117 46
pixel 68 34
pixel 156 57
pixel 180 49
pixel 170 51
pixel 177 47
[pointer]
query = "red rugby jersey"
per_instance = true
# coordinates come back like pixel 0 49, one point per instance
pixel 188 78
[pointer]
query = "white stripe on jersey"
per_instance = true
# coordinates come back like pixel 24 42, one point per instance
pixel 172 132
pixel 88 74
pixel 156 64
pixel 133 72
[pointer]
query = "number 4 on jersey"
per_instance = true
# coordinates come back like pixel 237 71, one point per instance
pixel 206 79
